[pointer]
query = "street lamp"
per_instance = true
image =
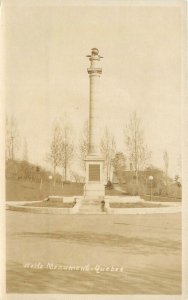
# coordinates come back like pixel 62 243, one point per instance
pixel 151 180
pixel 50 178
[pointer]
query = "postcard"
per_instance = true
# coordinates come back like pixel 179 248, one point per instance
pixel 94 150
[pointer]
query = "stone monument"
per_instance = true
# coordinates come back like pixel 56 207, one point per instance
pixel 94 189
pixel 94 162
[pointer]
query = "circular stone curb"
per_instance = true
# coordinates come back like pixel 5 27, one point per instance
pixel 42 210
pixel 108 210
pixel 145 210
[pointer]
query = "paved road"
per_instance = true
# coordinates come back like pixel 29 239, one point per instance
pixel 147 247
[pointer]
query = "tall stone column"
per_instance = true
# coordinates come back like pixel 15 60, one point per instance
pixel 94 186
pixel 94 101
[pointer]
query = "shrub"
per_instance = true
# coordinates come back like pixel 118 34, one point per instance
pixel 109 185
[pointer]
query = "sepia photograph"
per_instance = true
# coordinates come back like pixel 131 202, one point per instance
pixel 94 95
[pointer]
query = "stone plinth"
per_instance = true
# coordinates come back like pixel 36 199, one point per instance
pixel 94 186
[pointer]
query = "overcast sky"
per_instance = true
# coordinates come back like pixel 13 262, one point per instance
pixel 46 71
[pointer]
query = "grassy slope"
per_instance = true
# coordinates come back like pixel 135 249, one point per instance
pixel 18 190
pixel 24 190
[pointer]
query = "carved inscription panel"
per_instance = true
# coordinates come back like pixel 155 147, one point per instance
pixel 94 172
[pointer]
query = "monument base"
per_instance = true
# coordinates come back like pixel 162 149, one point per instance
pixel 89 205
pixel 94 190
pixel 94 186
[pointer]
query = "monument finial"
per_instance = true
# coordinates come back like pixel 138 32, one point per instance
pixel 94 54
pixel 94 51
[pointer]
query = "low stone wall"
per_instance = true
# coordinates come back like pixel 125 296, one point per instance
pixel 145 210
pixel 166 206
pixel 169 204
pixel 21 202
pixel 19 206
pixel 42 210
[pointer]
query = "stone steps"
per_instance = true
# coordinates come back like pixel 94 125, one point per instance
pixel 90 206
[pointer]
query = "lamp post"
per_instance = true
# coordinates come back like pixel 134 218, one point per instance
pixel 151 180
pixel 50 178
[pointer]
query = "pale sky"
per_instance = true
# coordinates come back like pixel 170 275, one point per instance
pixel 46 71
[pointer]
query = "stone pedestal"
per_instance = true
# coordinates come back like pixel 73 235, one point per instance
pixel 94 186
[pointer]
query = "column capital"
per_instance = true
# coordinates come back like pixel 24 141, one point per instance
pixel 94 71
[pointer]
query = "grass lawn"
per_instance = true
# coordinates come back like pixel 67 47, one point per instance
pixel 113 192
pixel 146 247
pixel 24 190
pixel 160 198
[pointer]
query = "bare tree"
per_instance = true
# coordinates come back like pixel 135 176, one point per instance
pixel 67 147
pixel 108 149
pixel 136 149
pixel 84 144
pixel 12 137
pixel 119 161
pixel 119 164
pixel 25 150
pixel 54 155
pixel 76 177
pixel 166 165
